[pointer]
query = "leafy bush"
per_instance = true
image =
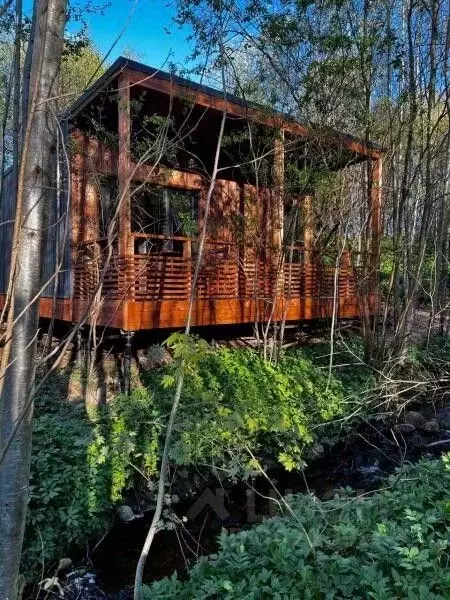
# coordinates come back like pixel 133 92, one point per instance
pixel 433 358
pixel 232 402
pixel 392 545
pixel 81 467
pixel 349 366
pixel 388 260
pixel 70 483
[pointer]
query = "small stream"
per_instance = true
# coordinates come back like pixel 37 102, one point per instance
pixel 361 461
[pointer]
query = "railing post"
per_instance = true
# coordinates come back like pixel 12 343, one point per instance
pixel 187 258
pixel 278 213
pixel 251 250
pixel 308 240
pixel 345 272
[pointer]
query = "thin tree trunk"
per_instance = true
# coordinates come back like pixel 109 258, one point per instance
pixel 34 186
pixel 138 580
pixel 401 326
pixel 16 94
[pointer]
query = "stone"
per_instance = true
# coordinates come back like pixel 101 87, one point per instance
pixel 405 428
pixel 443 416
pixel 431 427
pixel 125 513
pixel 416 441
pixel 328 495
pixel 154 357
pixel 316 451
pixel 412 417
pixel 64 564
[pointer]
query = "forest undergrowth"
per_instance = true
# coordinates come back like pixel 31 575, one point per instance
pixel 88 459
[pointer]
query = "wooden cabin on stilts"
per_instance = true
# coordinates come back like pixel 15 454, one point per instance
pixel 134 166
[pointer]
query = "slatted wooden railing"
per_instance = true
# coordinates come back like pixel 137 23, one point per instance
pixel 163 268
pixel 257 278
pixel 218 275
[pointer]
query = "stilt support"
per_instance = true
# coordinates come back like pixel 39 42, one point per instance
pixel 82 348
pixel 127 356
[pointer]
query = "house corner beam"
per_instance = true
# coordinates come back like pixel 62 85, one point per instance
pixel 277 214
pixel 125 241
pixel 278 199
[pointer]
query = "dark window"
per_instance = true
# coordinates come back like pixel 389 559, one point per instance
pixel 292 225
pixel 164 212
pixel 108 191
pixel 293 230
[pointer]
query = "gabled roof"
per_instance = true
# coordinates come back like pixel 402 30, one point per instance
pixel 122 64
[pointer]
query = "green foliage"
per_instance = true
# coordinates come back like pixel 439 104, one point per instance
pixel 387 261
pixel 81 466
pixel 234 405
pixel 79 69
pixel 392 545
pixel 431 360
pixel 134 438
pixel 70 482
pixel 349 368
pixel 306 180
pixel 390 257
pixel 234 401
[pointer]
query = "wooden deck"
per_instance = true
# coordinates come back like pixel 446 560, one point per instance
pixel 132 315
pixel 153 291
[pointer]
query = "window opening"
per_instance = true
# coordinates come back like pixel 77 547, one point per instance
pixel 162 214
pixel 108 189
pixel 293 230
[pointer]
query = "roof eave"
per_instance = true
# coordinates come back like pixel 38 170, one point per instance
pixel 109 75
pixel 368 148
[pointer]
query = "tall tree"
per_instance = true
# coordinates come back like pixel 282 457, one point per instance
pixel 378 70
pixel 35 186
pixel 80 67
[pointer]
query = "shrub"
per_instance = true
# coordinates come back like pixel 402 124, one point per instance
pixel 81 467
pixel 432 359
pixel 232 402
pixel 69 486
pixel 392 545
pixel 348 365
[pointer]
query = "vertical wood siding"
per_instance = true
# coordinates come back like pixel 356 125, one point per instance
pixel 57 253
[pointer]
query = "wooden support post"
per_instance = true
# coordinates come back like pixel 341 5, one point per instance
pixel 81 348
pixel 278 188
pixel 277 213
pixel 251 251
pixel 127 356
pixel 308 225
pixel 79 174
pixel 125 239
pixel 308 241
pixel 124 170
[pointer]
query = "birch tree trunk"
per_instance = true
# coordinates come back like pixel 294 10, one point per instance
pixel 35 185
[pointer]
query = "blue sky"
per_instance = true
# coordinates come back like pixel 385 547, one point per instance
pixel 147 34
